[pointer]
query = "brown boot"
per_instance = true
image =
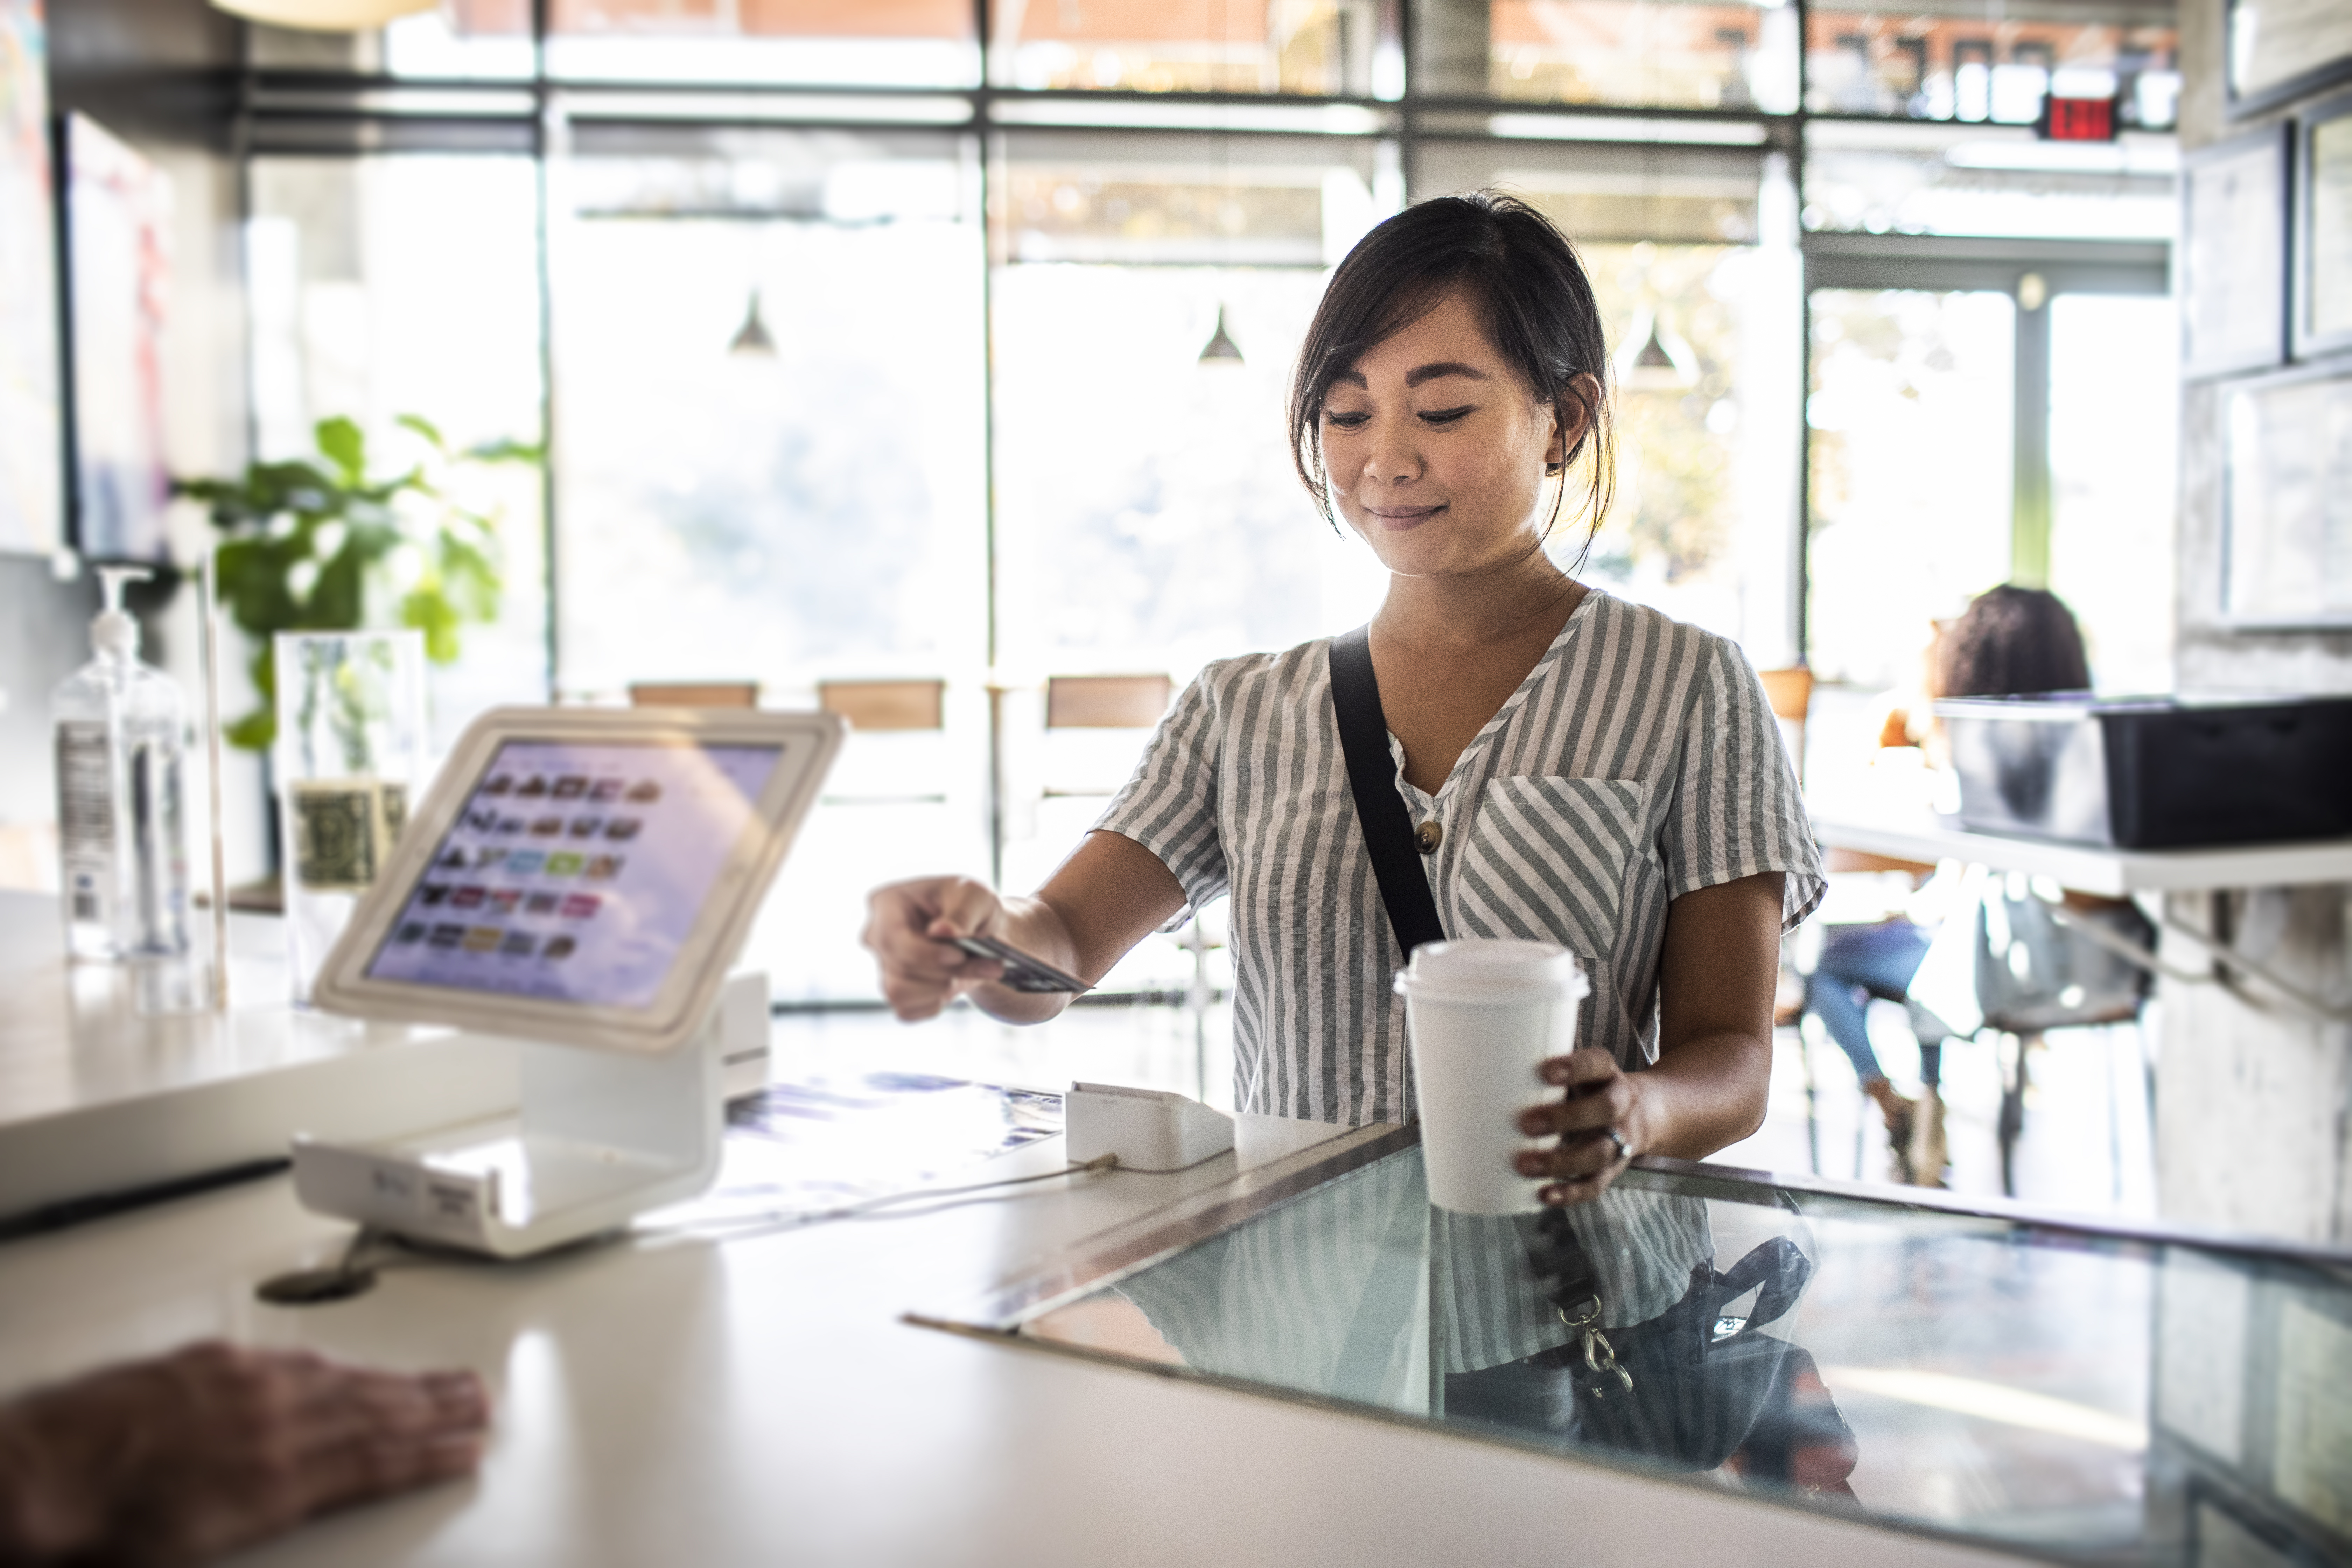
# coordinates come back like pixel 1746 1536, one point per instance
pixel 1928 1154
pixel 1900 1122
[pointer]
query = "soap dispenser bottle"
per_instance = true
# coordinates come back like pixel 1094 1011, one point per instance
pixel 120 756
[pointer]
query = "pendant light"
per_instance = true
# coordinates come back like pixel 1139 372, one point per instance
pixel 753 336
pixel 326 15
pixel 1654 367
pixel 1221 349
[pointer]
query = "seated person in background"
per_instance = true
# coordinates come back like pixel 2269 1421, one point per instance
pixel 182 1458
pixel 2011 641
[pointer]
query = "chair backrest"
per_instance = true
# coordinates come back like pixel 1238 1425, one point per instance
pixel 1791 692
pixel 886 704
pixel 694 694
pixel 1106 701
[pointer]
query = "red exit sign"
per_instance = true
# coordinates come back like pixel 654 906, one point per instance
pixel 2078 119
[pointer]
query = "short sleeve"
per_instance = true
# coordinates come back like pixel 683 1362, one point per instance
pixel 1169 806
pixel 1737 811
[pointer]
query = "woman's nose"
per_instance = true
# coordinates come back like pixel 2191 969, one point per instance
pixel 1390 460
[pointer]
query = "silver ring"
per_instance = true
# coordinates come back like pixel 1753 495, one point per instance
pixel 1625 1150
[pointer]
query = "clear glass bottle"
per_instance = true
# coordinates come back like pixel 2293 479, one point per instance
pixel 121 754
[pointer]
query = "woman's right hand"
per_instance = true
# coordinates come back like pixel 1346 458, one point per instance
pixel 905 925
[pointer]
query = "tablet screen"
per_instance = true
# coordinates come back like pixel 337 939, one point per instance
pixel 576 870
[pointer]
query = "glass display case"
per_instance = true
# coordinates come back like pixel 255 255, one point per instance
pixel 2047 1385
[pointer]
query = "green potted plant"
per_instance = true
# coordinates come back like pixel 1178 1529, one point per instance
pixel 320 546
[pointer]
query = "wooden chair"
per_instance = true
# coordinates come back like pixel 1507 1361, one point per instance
pixel 1106 701
pixel 886 705
pixel 1790 693
pixel 694 694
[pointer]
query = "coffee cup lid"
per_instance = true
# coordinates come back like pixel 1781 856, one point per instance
pixel 1492 970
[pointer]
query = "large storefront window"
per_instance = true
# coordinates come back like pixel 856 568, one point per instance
pixel 939 378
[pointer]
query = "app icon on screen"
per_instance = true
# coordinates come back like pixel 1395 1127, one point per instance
pixel 541 904
pixel 532 787
pixel 482 939
pixel 484 858
pixel 586 827
pixel 570 786
pixel 482 821
pixel 448 935
pixel 525 861
pixel 412 931
pixel 504 899
pixel 453 861
pixel 606 789
pixel 433 893
pixel 622 827
pixel 501 783
pixel 509 825
pixel 645 790
pixel 518 944
pixel 603 865
pixel 563 863
pixel 579 906
pixel 466 898
pixel 546 827
pixel 557 947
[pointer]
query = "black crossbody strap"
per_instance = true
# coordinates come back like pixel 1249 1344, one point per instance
pixel 1380 807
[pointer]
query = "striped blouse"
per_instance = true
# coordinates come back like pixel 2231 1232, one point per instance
pixel 1636 762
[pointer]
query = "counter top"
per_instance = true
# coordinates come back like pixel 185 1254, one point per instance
pixel 680 1400
pixel 1915 833
pixel 110 1081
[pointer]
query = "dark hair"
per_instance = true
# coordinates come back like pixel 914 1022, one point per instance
pixel 1530 293
pixel 2011 641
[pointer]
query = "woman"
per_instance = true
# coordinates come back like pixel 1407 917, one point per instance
pixel 2011 641
pixel 1579 770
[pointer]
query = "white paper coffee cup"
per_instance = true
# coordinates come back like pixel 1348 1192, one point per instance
pixel 1483 1016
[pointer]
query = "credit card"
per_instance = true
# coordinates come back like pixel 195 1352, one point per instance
pixel 1022 970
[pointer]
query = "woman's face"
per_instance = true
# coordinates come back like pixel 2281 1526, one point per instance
pixel 1436 449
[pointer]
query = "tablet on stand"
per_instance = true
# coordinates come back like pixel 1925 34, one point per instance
pixel 578 880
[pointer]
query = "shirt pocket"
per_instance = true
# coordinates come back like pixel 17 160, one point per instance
pixel 1547 859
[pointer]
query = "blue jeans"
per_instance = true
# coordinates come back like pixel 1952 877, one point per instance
pixel 1859 963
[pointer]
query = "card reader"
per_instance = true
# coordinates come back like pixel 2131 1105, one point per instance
pixel 1150 1129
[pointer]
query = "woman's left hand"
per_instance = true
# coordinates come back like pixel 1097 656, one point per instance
pixel 1598 1122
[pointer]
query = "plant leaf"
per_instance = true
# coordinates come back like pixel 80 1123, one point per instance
pixel 422 427
pixel 344 446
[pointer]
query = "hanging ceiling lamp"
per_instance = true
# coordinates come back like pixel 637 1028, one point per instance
pixel 1221 349
pixel 1654 366
pixel 326 15
pixel 753 337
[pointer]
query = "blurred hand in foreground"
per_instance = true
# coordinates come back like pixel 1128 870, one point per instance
pixel 185 1457
pixel 906 923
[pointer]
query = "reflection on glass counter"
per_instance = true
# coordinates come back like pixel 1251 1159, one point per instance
pixel 2031 1385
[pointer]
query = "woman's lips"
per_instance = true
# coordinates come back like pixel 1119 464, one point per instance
pixel 1401 517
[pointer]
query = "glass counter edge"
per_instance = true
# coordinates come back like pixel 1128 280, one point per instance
pixel 1100 1261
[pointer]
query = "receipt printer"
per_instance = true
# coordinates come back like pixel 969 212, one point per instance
pixel 1148 1129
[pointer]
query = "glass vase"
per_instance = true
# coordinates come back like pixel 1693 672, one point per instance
pixel 349 757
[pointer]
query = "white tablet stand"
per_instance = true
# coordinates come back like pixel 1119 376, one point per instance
pixel 602 1136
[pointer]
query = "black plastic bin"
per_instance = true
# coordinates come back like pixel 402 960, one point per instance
pixel 2153 773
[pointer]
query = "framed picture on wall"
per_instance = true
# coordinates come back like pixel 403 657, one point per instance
pixel 2287 501
pixel 2322 230
pixel 32 437
pixel 2234 217
pixel 2280 49
pixel 118 244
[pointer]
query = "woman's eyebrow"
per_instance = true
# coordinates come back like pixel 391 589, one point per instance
pixel 1443 367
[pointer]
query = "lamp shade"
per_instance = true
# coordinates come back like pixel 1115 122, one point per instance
pixel 325 15
pixel 1221 348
